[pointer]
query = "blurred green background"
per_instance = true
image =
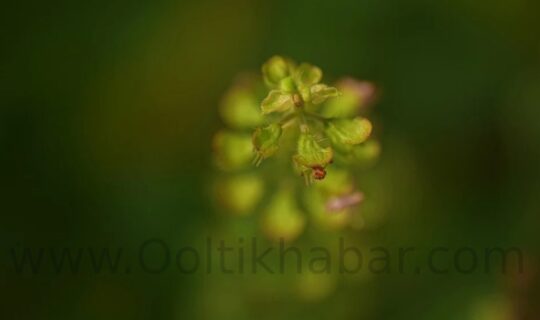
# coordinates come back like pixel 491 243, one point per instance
pixel 108 109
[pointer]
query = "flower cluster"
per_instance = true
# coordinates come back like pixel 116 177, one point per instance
pixel 290 117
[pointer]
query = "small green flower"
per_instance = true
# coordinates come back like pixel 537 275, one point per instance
pixel 310 153
pixel 266 141
pixel 311 159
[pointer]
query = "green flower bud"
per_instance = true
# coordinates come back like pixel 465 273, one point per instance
pixel 240 108
pixel 321 92
pixel 266 141
pixel 277 101
pixel 240 194
pixel 232 150
pixel 282 218
pixel 307 75
pixel 276 69
pixel 344 133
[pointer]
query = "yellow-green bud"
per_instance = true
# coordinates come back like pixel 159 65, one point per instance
pixel 344 133
pixel 275 69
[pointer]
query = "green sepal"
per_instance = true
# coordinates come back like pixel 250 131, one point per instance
pixel 320 92
pixel 310 154
pixel 287 85
pixel 277 101
pixel 307 75
pixel 343 132
pixel 266 141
